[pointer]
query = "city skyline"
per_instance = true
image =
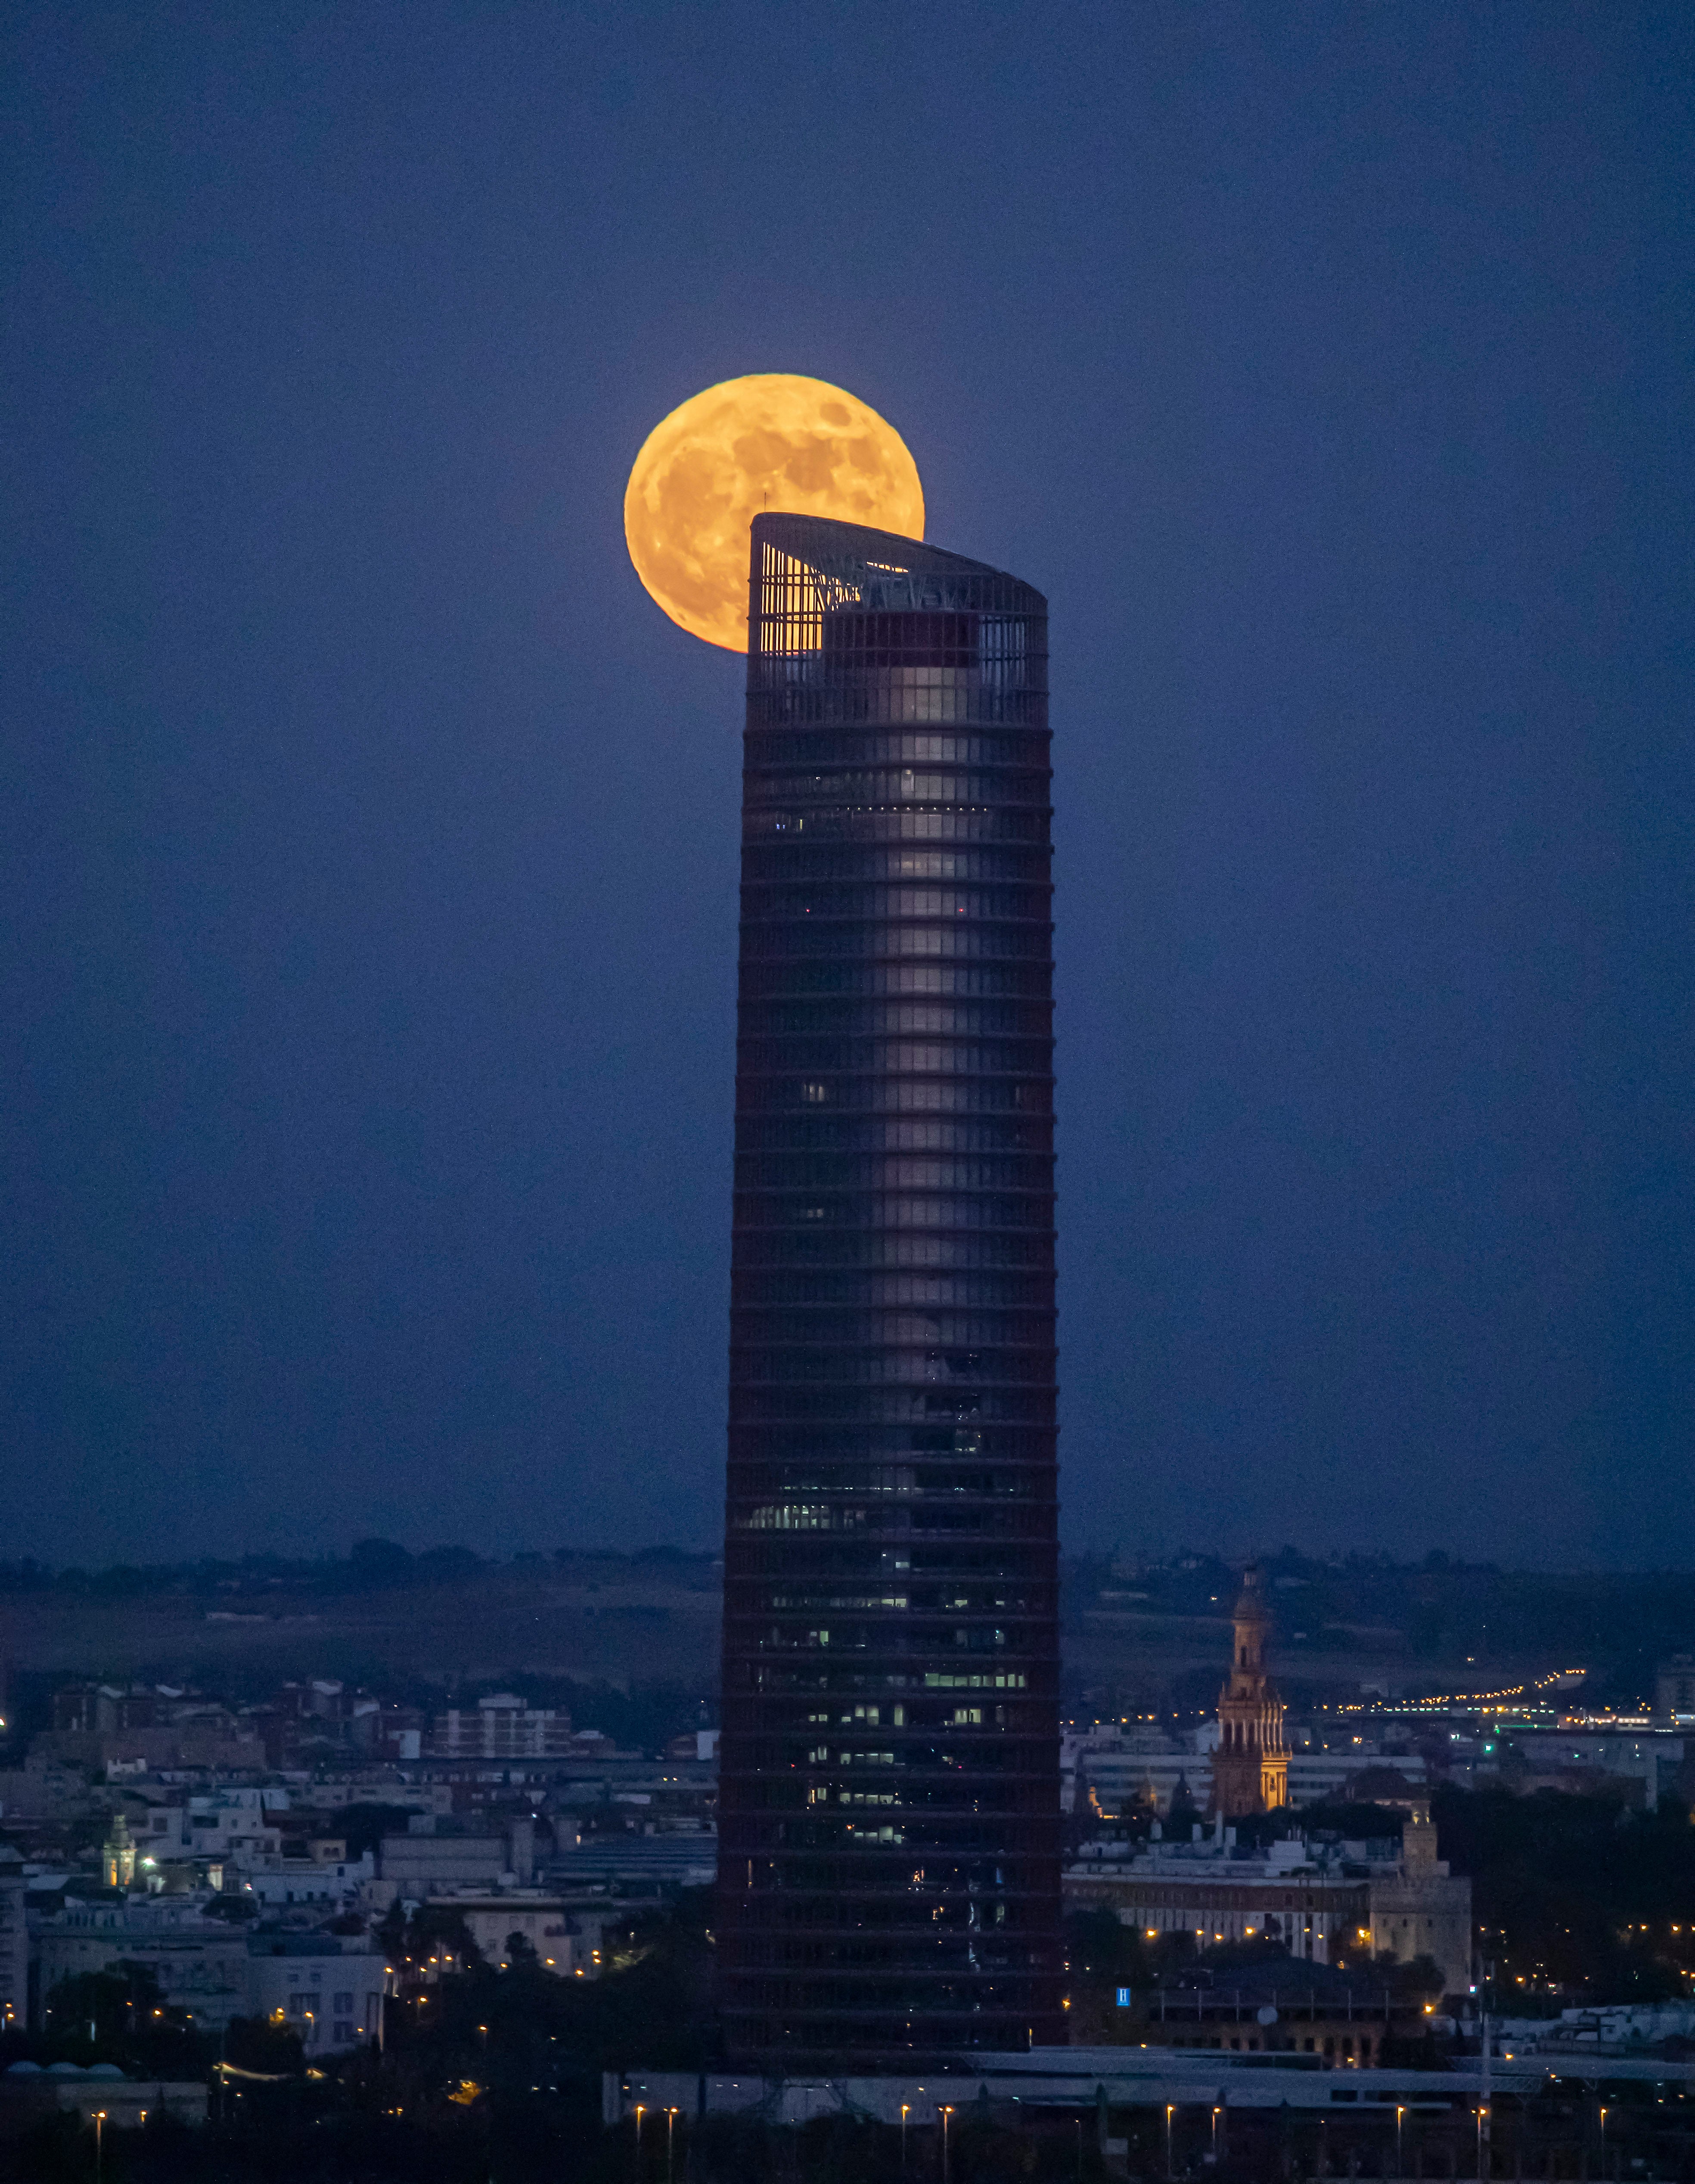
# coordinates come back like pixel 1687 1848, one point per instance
pixel 544 1629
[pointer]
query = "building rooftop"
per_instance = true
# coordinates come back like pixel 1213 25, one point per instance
pixel 1218 1856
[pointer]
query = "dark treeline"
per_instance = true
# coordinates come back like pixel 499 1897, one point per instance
pixel 1420 1620
pixel 1437 1603
pixel 370 1566
pixel 1616 1624
pixel 642 1716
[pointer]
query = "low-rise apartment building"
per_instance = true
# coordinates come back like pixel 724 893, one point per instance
pixel 330 1995
pixel 200 1962
pixel 501 1727
pixel 1344 2017
pixel 429 1862
pixel 327 1988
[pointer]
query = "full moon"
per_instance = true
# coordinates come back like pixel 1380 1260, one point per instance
pixel 773 441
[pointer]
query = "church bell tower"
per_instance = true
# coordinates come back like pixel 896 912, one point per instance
pixel 1251 1766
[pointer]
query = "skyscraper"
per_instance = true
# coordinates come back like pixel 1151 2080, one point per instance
pixel 888 1823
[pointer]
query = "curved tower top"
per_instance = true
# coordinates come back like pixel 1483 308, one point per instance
pixel 850 562
pixel 829 601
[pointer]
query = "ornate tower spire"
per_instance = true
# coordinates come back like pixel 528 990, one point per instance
pixel 1251 1766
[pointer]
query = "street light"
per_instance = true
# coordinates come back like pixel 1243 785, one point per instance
pixel 945 2113
pixel 1603 2142
pixel 1170 2111
pixel 671 2116
pixel 99 2142
pixel 906 2110
pixel 641 2111
pixel 1400 2164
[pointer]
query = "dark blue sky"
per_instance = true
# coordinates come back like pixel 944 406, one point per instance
pixel 369 847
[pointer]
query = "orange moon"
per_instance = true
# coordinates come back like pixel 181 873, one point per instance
pixel 771 441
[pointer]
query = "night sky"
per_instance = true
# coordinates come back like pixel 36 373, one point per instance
pixel 369 838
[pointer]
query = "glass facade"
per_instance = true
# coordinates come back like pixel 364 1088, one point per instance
pixel 888 1819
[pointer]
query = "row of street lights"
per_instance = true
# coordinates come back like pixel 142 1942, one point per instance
pixel 945 2113
pixel 671 2115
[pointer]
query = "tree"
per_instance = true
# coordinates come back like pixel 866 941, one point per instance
pixel 1576 1897
pixel 363 1826
pixel 379 1563
pixel 100 2008
pixel 132 2024
pixel 261 2044
pixel 434 1930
